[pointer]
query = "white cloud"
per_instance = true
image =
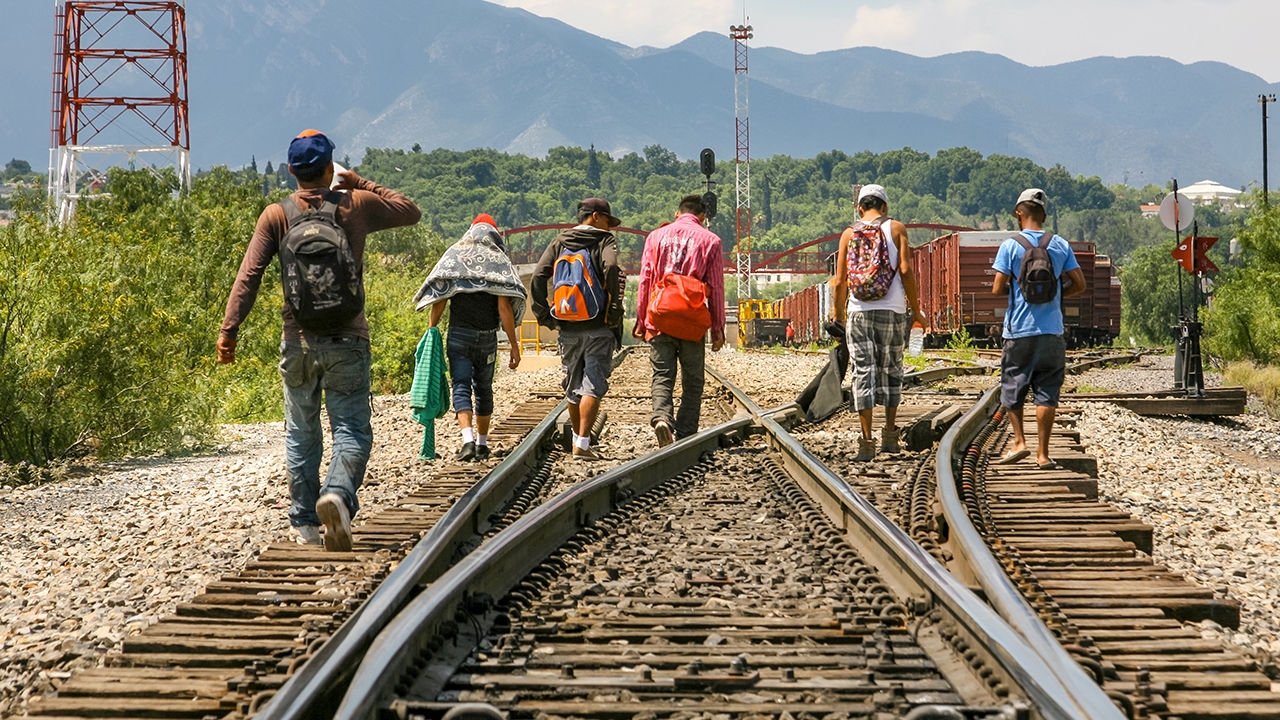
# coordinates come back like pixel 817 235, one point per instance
pixel 876 26
pixel 1035 32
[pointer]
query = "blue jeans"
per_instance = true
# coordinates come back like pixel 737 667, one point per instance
pixel 471 363
pixel 339 366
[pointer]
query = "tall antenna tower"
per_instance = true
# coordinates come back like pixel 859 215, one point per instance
pixel 119 93
pixel 742 159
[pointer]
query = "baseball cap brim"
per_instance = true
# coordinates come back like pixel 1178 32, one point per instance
pixel 1033 195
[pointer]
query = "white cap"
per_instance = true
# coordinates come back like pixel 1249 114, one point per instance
pixel 1033 195
pixel 875 191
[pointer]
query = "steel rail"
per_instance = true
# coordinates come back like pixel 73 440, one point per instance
pixel 1080 697
pixel 908 568
pixel 502 563
pixel 315 688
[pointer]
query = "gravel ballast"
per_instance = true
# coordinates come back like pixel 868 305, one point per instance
pixel 93 559
pixel 1209 487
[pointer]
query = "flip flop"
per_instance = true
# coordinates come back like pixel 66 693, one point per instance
pixel 1051 465
pixel 1013 457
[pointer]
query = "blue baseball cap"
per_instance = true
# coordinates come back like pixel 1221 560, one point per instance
pixel 311 151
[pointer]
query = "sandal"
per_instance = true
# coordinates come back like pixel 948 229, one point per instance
pixel 1013 457
pixel 1051 465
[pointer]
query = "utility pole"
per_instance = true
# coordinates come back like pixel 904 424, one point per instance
pixel 1264 100
pixel 742 160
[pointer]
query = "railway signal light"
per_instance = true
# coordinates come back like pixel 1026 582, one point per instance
pixel 1192 254
pixel 707 161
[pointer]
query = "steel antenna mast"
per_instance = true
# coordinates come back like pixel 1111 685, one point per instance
pixel 119 94
pixel 742 160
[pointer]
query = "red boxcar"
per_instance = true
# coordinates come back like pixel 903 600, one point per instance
pixel 1113 313
pixel 807 310
pixel 1077 311
pixel 955 277
pixel 955 285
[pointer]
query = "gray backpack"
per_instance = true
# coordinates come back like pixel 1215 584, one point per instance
pixel 323 282
pixel 1036 278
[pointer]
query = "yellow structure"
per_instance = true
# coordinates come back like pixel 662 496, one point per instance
pixel 750 309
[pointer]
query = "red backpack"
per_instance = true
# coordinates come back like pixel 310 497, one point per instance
pixel 678 307
pixel 870 273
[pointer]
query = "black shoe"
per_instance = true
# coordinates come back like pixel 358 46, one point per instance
pixel 467 453
pixel 482 452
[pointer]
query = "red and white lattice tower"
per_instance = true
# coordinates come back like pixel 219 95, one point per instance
pixel 742 160
pixel 119 94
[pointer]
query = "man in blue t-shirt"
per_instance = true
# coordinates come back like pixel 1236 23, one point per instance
pixel 1035 354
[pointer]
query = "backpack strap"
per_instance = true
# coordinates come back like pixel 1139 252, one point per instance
pixel 330 207
pixel 291 212
pixel 1023 241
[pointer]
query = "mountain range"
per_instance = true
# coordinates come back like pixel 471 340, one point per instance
pixel 467 73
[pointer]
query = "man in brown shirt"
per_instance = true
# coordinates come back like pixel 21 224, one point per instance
pixel 336 362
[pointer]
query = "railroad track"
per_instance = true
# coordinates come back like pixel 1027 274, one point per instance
pixel 296 612
pixel 762 580
pixel 707 578
pixel 1069 570
pixel 1064 568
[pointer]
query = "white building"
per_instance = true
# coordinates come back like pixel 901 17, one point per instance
pixel 1208 192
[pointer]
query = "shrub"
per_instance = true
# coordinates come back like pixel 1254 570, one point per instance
pixel 1243 322
pixel 107 326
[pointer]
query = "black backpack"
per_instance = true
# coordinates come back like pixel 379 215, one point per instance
pixel 1036 278
pixel 323 283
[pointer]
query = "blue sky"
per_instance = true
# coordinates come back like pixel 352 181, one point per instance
pixel 1236 32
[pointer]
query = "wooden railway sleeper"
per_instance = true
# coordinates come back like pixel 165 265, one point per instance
pixel 993 435
pixel 1140 702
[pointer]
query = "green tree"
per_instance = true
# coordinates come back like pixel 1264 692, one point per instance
pixel 593 167
pixel 1243 322
pixel 1149 294
pixel 16 168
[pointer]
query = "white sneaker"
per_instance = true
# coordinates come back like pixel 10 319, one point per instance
pixel 308 535
pixel 337 522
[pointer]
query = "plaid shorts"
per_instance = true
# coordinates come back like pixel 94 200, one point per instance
pixel 876 342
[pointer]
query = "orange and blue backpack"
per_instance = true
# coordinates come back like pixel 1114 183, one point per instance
pixel 577 293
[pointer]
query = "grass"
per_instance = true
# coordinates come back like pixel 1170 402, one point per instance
pixel 1087 388
pixel 1262 381
pixel 915 364
pixel 961 343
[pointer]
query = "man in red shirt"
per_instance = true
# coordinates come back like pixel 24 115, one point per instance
pixel 687 248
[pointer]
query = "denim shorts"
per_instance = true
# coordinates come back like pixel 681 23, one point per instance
pixel 472 354
pixel 587 359
pixel 1037 363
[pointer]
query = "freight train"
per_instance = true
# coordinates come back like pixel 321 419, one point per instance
pixel 955 277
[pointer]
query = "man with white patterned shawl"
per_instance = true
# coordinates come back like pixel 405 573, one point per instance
pixel 484 293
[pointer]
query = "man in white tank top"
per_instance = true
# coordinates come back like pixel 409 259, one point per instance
pixel 877 329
